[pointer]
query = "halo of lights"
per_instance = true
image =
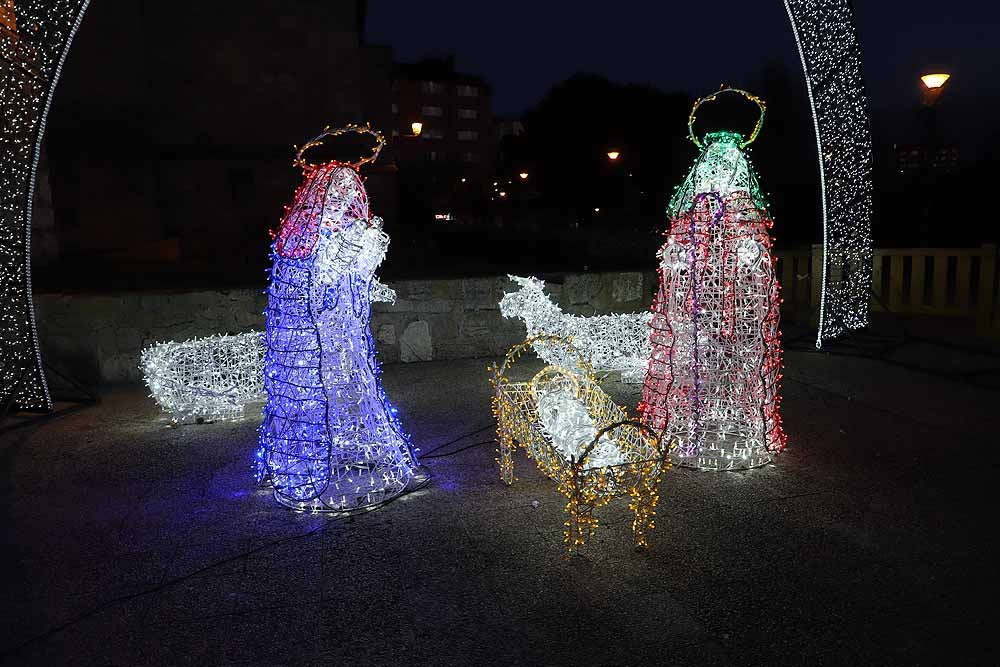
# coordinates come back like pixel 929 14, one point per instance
pixel 330 440
pixel 211 379
pixel 35 36
pixel 693 116
pixel 329 133
pixel 609 343
pixel 714 372
pixel 831 59
pixel 580 438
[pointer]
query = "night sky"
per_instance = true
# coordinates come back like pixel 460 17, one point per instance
pixel 522 48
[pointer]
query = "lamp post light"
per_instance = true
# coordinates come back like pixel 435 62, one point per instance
pixel 929 178
pixel 523 175
pixel 933 85
pixel 416 128
pixel 614 155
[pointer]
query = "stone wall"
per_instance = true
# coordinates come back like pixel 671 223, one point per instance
pixel 96 338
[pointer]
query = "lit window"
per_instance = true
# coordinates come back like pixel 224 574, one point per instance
pixel 431 87
pixel 432 134
pixel 467 91
pixel 431 111
pixel 468 113
pixel 468 135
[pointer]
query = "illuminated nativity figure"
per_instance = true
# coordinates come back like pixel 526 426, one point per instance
pixel 714 374
pixel 330 440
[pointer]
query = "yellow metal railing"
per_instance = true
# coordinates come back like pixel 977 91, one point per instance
pixel 947 282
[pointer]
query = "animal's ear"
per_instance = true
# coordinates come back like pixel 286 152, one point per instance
pixel 530 281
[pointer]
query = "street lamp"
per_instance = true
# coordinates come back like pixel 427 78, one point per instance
pixel 935 80
pixel 416 128
pixel 613 155
pixel 523 175
pixel 933 84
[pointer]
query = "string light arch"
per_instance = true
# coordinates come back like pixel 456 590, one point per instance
pixel 827 40
pixel 35 36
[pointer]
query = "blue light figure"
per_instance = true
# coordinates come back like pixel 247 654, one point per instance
pixel 330 440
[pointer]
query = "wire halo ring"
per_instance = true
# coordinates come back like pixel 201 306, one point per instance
pixel 711 98
pixel 299 161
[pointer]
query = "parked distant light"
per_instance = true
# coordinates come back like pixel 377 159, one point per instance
pixel 933 81
pixel 416 128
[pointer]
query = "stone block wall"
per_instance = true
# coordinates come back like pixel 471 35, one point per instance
pixel 97 338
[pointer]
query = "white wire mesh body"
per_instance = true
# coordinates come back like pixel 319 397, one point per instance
pixel 714 374
pixel 211 378
pixel 610 343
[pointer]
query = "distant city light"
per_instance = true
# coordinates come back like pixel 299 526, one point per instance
pixel 613 155
pixel 503 194
pixel 933 81
pixel 523 175
pixel 416 128
pixel 463 180
pixel 597 210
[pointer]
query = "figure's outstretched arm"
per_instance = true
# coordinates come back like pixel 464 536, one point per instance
pixel 382 292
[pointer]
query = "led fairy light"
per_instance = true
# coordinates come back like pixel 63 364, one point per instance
pixel 35 36
pixel 216 377
pixel 831 59
pixel 579 438
pixel 715 367
pixel 330 440
pixel 212 378
pixel 610 343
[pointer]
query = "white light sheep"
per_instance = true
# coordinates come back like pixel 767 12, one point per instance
pixel 618 342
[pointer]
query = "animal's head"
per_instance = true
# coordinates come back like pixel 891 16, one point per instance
pixel 529 298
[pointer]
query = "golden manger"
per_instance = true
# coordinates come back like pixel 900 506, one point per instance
pixel 580 438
